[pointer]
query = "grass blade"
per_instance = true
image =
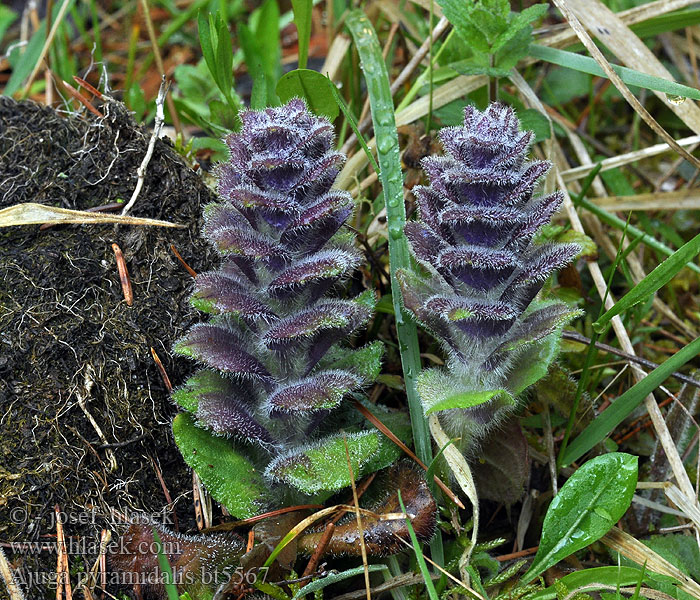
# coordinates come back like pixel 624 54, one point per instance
pixel 392 183
pixel 432 593
pixel 620 224
pixel 612 416
pixel 382 108
pixel 302 19
pixel 585 64
pixel 168 579
pixel 654 281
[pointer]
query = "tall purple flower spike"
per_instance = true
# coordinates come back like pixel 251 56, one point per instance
pixel 483 269
pixel 275 363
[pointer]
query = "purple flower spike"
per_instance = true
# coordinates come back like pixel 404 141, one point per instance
pixel 476 234
pixel 275 363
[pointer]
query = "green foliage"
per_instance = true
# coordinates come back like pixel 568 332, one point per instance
pixel 230 478
pixel 618 411
pixel 497 37
pixel 654 281
pixel 332 578
pixel 302 19
pixel 259 39
pixel 593 499
pixel 324 467
pixel 594 579
pixel 215 40
pixel 169 580
pixel 312 87
pixel 585 64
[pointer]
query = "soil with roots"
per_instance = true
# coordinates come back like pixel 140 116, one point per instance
pixel 84 412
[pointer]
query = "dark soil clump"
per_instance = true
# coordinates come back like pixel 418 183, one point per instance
pixel 71 350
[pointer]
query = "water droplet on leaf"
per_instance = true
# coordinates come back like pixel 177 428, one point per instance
pixel 673 99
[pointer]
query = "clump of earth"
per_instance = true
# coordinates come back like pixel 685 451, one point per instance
pixel 84 412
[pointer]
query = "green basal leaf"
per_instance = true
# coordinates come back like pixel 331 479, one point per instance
pixel 588 505
pixel 312 87
pixel 201 383
pixel 440 390
pixel 230 478
pixel 515 48
pixel 324 466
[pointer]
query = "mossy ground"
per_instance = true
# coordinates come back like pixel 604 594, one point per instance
pixel 66 333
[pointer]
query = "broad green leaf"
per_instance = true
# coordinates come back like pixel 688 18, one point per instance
pixel 230 478
pixel 678 549
pixel 597 578
pixel 593 499
pixel 521 21
pixel 588 65
pixel 224 115
pixel 334 577
pixel 302 19
pixel 324 465
pixel 312 87
pixel 654 281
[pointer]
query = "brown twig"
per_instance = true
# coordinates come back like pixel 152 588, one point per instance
pixel 387 432
pixel 320 549
pixel 161 370
pixel 123 275
pixel 82 99
pixel 577 337
pixel 189 269
pixel 258 518
pixel 62 571
pixel 166 493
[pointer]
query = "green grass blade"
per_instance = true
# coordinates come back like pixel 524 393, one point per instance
pixel 618 223
pixel 612 416
pixel 205 40
pixel 391 177
pixel 585 64
pixel 654 281
pixel 168 579
pixel 382 108
pixel 302 19
pixel 353 125
pixel 432 593
pixel 26 62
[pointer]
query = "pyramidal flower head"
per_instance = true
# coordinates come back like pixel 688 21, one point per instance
pixel 275 363
pixel 476 239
